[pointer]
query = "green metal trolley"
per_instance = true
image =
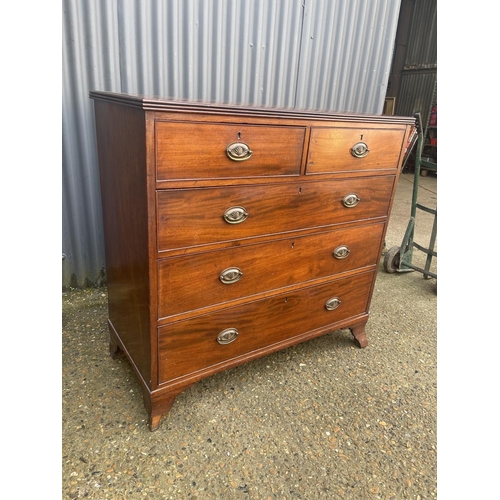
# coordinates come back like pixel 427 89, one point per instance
pixel 400 258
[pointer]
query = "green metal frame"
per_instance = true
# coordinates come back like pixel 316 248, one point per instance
pixel 408 243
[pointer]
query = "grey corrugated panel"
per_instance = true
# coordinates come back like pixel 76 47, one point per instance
pixel 327 55
pixel 422 44
pixel 346 54
pixel 226 51
pixel 416 94
pixel 88 60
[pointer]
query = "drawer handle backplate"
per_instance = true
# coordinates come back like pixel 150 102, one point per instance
pixel 238 151
pixel 350 200
pixel 235 215
pixel 359 150
pixel 341 252
pixel 227 336
pixel 230 275
pixel 332 303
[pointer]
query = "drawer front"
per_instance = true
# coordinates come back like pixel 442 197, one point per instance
pixel 335 149
pixel 191 282
pixel 200 150
pixel 191 217
pixel 191 345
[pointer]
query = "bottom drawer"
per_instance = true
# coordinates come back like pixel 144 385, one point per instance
pixel 192 345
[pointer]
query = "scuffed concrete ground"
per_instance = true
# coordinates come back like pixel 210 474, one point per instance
pixel 323 419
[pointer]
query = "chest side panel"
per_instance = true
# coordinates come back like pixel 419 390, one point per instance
pixel 122 167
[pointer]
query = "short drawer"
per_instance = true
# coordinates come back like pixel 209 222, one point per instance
pixel 338 149
pixel 192 345
pixel 207 151
pixel 191 282
pixel 191 217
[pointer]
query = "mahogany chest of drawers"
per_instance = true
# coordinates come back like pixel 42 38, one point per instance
pixel 234 232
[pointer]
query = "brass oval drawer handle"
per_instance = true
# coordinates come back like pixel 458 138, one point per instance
pixel 350 200
pixel 332 303
pixel 238 151
pixel 235 215
pixel 359 150
pixel 341 252
pixel 227 336
pixel 230 275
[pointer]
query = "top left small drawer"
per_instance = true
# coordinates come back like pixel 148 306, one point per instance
pixel 187 150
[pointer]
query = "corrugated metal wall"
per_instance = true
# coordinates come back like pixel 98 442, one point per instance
pixel 346 54
pixel 416 94
pixel 422 45
pixel 418 85
pixel 328 55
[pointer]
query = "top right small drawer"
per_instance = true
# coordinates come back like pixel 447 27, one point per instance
pixel 340 149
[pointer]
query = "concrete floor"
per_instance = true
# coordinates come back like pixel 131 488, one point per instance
pixel 323 419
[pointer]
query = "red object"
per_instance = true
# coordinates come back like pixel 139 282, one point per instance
pixel 434 141
pixel 433 120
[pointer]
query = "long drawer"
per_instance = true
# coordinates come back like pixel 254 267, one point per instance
pixel 191 282
pixel 192 217
pixel 209 151
pixel 337 149
pixel 192 345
